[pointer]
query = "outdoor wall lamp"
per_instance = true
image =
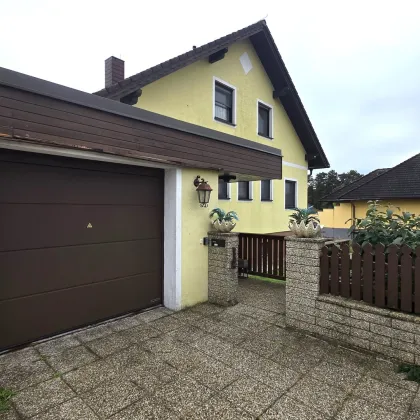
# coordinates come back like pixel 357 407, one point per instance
pixel 203 190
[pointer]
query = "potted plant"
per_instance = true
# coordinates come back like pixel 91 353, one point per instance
pixel 224 222
pixel 304 223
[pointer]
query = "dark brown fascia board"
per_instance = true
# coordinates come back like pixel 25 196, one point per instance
pixel 42 87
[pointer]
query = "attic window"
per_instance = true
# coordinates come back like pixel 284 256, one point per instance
pixel 224 103
pixel 265 120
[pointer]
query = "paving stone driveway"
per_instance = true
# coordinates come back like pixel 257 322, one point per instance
pixel 203 363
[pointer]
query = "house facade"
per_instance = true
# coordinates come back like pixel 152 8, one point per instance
pixel 99 211
pixel 398 186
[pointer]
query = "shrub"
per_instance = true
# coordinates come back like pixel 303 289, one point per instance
pixel 383 226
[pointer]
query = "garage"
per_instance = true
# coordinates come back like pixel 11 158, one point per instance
pixel 81 241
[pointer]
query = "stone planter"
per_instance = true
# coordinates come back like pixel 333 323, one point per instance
pixel 223 226
pixel 305 231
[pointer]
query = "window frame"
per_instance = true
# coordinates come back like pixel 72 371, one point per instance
pixel 296 192
pixel 270 200
pixel 228 191
pixel 270 119
pixel 250 192
pixel 221 82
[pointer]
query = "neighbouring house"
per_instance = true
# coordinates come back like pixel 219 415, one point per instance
pixel 98 212
pixel 398 186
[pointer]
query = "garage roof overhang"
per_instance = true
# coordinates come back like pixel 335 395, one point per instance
pixel 36 111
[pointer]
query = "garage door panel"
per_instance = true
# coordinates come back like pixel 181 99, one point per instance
pixel 92 263
pixel 41 315
pixel 76 186
pixel 28 226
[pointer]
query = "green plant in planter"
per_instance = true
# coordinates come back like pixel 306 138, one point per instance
pixel 305 215
pixel 222 216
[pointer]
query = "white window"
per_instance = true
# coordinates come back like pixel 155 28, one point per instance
pixel 224 190
pixel 224 102
pixel 264 120
pixel 245 190
pixel 290 194
pixel 266 190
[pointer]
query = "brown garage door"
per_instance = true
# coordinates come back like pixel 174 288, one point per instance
pixel 80 241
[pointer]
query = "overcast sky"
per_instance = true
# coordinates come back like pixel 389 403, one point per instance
pixel 355 65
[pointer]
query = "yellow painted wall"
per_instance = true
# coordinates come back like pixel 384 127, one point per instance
pixel 336 217
pixel 187 95
pixel 195 226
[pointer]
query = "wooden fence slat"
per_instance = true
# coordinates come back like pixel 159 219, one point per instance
pixel 392 277
pixel 276 257
pixel 324 284
pixel 406 279
pixel 355 273
pixel 264 242
pixel 254 254
pixel 417 282
pixel 345 270
pixel 379 278
pixel 367 273
pixel 270 256
pixel 335 257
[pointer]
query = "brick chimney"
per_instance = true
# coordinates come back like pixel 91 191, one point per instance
pixel 114 71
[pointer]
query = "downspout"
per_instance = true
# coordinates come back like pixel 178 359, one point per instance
pixel 353 215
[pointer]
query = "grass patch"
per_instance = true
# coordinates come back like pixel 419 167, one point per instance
pixel 267 279
pixel 412 371
pixel 5 397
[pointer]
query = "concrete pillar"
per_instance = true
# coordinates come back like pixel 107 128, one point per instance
pixel 302 281
pixel 223 268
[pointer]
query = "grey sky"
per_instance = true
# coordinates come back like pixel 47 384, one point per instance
pixel 355 65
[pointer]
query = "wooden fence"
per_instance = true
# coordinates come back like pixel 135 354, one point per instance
pixel 385 278
pixel 265 254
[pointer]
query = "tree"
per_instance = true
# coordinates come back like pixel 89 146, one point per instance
pixel 325 183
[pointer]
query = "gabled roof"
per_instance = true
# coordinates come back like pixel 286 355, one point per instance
pixel 401 181
pixel 267 51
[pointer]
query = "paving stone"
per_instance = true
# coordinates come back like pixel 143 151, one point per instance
pixel 140 333
pixel 355 361
pixel 183 395
pixel 74 409
pixel 360 409
pixel 164 343
pixel 10 414
pixel 265 348
pixel 218 408
pixel 319 395
pixel 167 323
pixel 15 358
pixel 385 395
pixel 338 375
pixel 111 397
pixel 250 395
pixel 229 333
pixel 129 357
pixel 386 371
pixel 287 408
pixel 214 347
pixel 57 345
pixel 298 361
pixel 187 315
pixel 148 408
pixel 125 323
pixel 214 374
pixel 144 378
pixel 41 397
pixel 24 374
pixel 71 358
pixel 92 333
pixel 207 309
pixel 90 376
pixel 109 344
pixel 413 414
pixel 184 358
pixel 187 334
pixel 152 315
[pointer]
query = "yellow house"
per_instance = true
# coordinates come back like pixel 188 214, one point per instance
pixel 239 86
pixel 100 214
pixel 398 186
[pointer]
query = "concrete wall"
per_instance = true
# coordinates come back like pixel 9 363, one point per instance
pixel 389 333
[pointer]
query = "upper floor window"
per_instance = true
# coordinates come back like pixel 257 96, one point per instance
pixel 224 190
pixel 244 190
pixel 224 103
pixel 265 120
pixel 290 194
pixel 266 190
